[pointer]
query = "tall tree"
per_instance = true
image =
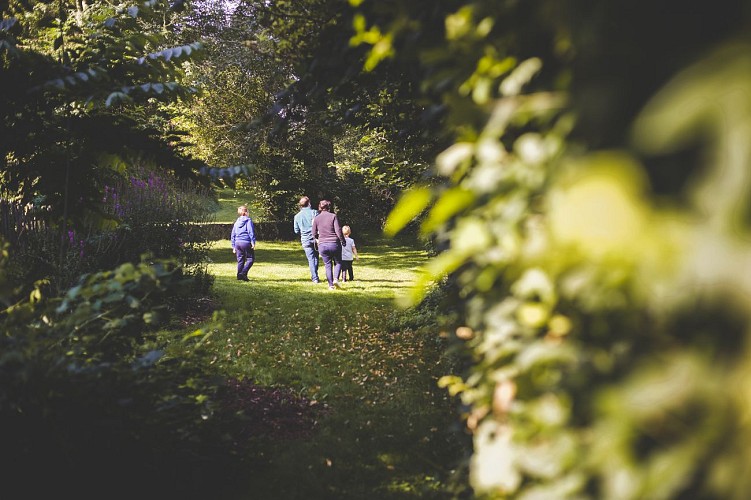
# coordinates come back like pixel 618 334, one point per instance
pixel 69 73
pixel 302 99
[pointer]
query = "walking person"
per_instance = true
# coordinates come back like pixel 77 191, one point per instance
pixel 330 239
pixel 303 226
pixel 243 241
pixel 349 253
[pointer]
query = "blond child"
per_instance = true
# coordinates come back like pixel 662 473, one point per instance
pixel 349 253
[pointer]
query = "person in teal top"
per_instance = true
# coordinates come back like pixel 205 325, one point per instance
pixel 303 226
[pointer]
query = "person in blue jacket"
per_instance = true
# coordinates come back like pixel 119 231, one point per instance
pixel 243 240
pixel 303 225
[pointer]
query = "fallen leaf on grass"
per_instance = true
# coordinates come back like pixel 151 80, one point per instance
pixel 269 411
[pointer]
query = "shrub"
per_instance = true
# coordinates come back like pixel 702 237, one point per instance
pixel 88 394
pixel 146 212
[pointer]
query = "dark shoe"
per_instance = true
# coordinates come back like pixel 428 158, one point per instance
pixel 243 277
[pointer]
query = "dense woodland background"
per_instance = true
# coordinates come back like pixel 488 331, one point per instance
pixel 579 170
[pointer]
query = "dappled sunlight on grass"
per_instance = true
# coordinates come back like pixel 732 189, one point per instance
pixel 380 272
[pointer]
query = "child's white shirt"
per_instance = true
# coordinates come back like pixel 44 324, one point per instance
pixel 347 253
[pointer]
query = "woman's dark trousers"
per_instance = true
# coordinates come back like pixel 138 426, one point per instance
pixel 245 257
pixel 331 253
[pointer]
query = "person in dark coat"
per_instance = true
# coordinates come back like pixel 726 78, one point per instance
pixel 327 231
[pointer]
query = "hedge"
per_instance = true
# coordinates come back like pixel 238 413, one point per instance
pixel 264 231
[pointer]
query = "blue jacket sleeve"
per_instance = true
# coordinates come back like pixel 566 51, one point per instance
pixel 252 232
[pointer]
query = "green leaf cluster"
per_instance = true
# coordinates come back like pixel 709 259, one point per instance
pixel 88 383
pixel 73 79
pixel 599 262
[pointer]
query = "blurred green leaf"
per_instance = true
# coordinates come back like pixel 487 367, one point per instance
pixel 411 204
pixel 448 205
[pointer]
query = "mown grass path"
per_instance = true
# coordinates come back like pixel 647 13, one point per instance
pixel 387 430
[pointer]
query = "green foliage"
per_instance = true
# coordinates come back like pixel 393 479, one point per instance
pixel 6 286
pixel 147 211
pixel 160 214
pixel 67 72
pixel 89 390
pixel 371 171
pixel 411 204
pixel 238 78
pixel 278 99
pixel 606 322
pixel 228 201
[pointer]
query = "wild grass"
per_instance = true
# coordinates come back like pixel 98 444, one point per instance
pixel 387 430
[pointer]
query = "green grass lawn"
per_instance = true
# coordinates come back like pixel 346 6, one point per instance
pixel 229 199
pixel 387 430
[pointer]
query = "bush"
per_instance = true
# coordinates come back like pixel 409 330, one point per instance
pixel 146 212
pixel 88 395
